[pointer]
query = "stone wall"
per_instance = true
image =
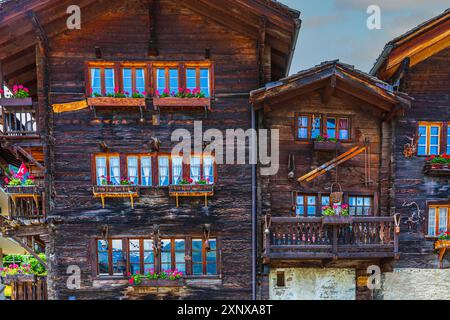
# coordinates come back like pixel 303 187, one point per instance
pixel 415 284
pixel 314 284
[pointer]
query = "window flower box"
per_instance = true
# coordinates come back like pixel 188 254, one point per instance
pixel 115 102
pixel 327 146
pixel 161 283
pixel 23 190
pixel 191 190
pixel 119 191
pixel 337 220
pixel 182 102
pixel 8 279
pixel 437 169
pixel 441 246
pixel 16 102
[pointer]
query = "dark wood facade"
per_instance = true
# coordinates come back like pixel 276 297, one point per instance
pixel 242 53
pixel 331 90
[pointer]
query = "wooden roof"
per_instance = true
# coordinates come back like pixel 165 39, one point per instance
pixel 418 44
pixel 331 78
pixel 20 21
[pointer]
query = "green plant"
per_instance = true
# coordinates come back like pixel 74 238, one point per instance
pixel 439 159
pixel 444 236
pixel 15 182
pixel 29 182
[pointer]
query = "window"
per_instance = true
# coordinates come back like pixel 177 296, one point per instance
pixel 198 78
pixel 102 80
pixel 438 217
pixel 177 170
pixel 140 257
pixel 133 170
pixel 107 170
pixel 448 138
pixel 195 168
pixel 163 171
pixel 133 80
pixel 360 205
pixel 167 78
pixel 306 205
pixel 310 127
pixel 429 138
pixel 146 171
pixel 110 255
pixel 208 169
pixel 204 262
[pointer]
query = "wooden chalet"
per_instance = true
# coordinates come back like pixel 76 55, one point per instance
pixel 418 63
pixel 84 141
pixel 335 125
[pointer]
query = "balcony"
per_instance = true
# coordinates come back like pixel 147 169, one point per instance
pixel 19 123
pixel 311 239
pixel 25 203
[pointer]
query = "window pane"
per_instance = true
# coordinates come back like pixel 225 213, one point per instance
pixel 191 78
pixel 119 265
pixel 448 139
pixel 173 81
pixel 432 222
pixel 325 200
pixel 149 257
pixel 443 218
pixel 208 169
pixel 303 127
pixel 134 249
pixel 303 133
pixel 127 80
pixel 197 258
pixel 177 170
pixel 140 80
pixel 195 169
pixel 343 134
pixel 166 255
pixel 180 254
pixel 422 150
pixel 311 211
pixel 204 81
pixel 161 79
pixel 96 83
pixel 102 248
pixel 331 128
pixel 100 163
pixel 114 170
pixel 146 171
pixel 133 170
pixel 109 80
pixel 163 171
pixel 316 126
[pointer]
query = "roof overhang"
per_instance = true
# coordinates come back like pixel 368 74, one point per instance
pixel 418 45
pixel 332 79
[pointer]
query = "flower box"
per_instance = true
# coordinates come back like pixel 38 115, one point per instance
pixel 442 244
pixel 182 102
pixel 23 190
pixel 161 283
pixel 115 189
pixel 437 169
pixel 8 279
pixel 327 145
pixel 116 102
pixel 187 189
pixel 16 102
pixel 337 220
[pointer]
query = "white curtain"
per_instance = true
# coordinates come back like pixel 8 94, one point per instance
pixel 443 218
pixel 100 164
pixel 432 222
pixel 208 169
pixel 195 168
pixel 133 170
pixel 146 165
pixel 163 164
pixel 177 169
pixel 114 164
pixel 95 81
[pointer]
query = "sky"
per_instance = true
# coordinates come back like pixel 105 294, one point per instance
pixel 337 29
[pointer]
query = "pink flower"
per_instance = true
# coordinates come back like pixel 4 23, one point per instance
pixel 26 90
pixel 144 93
pixel 157 93
pixel 15 88
pixel 131 281
pixel 166 91
pixel 20 86
pixel 6 180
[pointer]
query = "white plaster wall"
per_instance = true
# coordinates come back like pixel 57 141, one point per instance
pixel 313 284
pixel 415 284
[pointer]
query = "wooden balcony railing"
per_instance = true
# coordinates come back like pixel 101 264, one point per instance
pixel 26 204
pixel 19 122
pixel 310 239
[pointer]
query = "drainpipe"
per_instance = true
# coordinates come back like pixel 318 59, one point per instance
pixel 254 217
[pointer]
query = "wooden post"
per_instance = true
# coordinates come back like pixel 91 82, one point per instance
pixel 2 80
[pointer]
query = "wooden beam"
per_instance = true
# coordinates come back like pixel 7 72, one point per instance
pixel 30 158
pixel 329 90
pixel 39 29
pixel 2 80
pixel 30 251
pixel 261 49
pixel 152 14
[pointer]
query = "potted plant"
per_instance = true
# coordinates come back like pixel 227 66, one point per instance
pixel 188 185
pixel 183 98
pixel 325 143
pixel 165 278
pixel 15 272
pixel 20 97
pixel 437 165
pixel 117 99
pixel 336 215
pixel 20 185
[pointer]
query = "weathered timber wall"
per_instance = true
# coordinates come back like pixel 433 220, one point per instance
pixel 123 35
pixel 429 84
